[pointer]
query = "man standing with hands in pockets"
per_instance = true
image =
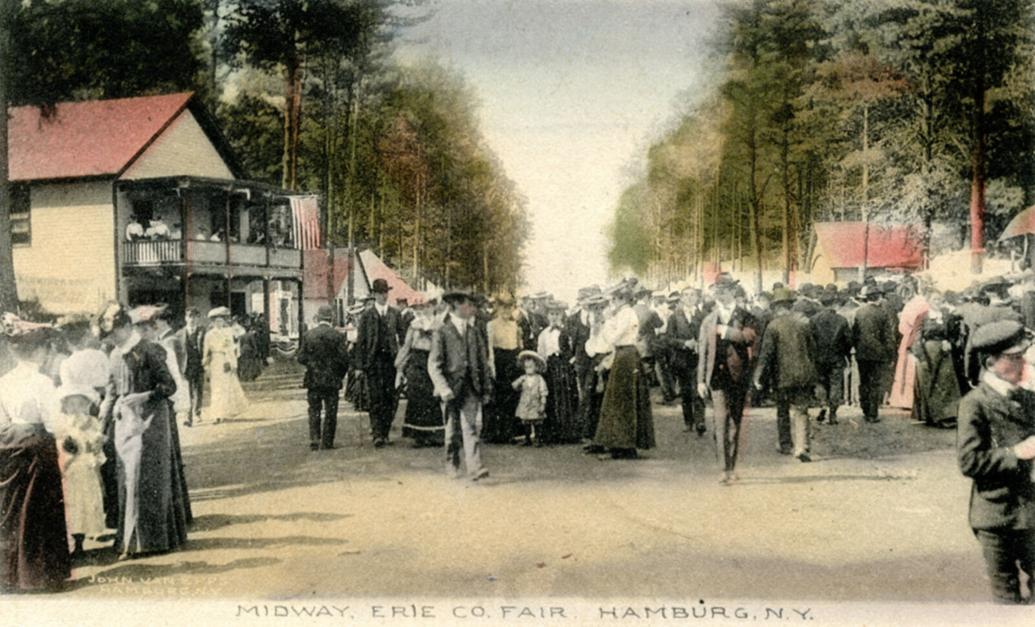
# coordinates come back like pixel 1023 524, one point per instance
pixel 326 359
pixel 459 368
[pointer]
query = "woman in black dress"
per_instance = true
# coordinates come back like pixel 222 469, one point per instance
pixel 423 422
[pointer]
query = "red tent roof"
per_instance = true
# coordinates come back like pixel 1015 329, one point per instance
pixel 894 246
pixel 377 269
pixel 93 138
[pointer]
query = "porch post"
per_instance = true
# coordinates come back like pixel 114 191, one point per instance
pixel 226 282
pixel 226 227
pixel 266 300
pixel 185 287
pixel 186 226
pixel 301 312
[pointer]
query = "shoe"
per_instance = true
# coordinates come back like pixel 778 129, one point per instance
pixel 728 478
pixel 379 443
pixel 804 457
pixel 314 447
pixel 784 450
pixel 822 416
pixel 593 449
pixel 454 472
pixel 833 419
pixel 700 430
pixel 188 423
pixel 482 474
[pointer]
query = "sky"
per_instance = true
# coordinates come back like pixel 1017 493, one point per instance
pixel 571 93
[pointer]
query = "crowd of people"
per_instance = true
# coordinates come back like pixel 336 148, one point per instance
pixel 88 428
pixel 89 435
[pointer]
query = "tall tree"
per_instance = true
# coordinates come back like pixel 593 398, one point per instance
pixel 8 287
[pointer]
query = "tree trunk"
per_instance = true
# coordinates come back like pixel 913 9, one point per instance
pixel 788 224
pixel 865 192
pixel 977 179
pixel 8 286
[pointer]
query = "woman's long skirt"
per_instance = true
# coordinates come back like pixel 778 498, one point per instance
pixel 626 421
pixel 151 519
pixel 562 403
pixel 33 536
pixel 501 425
pixel 937 386
pixel 423 420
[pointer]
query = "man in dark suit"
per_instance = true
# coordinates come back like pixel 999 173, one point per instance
pixel 786 356
pixel 324 354
pixel 192 338
pixel 873 336
pixel 578 330
pixel 833 342
pixel 996 446
pixel 380 327
pixel 723 368
pixel 458 365
pixel 681 335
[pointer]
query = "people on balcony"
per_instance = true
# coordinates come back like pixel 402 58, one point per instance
pixel 157 229
pixel 134 230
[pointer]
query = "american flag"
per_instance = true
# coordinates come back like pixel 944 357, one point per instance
pixel 305 221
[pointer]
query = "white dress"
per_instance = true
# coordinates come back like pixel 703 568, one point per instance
pixel 220 359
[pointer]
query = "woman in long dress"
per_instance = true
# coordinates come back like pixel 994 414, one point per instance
pixel 937 382
pixel 554 346
pixel 423 421
pixel 626 422
pixel 505 342
pixel 151 519
pixel 219 356
pixel 910 323
pixel 33 535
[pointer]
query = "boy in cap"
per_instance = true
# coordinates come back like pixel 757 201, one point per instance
pixel 996 445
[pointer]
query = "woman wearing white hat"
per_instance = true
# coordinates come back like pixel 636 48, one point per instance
pixel 219 356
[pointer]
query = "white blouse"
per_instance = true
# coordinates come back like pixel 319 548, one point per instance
pixel 28 397
pixel 623 328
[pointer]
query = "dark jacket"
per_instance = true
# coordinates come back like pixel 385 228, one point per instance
pixel 369 336
pixel 680 329
pixel 325 356
pixel 990 424
pixel 833 339
pixel 723 362
pixel 193 351
pixel 450 356
pixel 873 334
pixel 578 335
pixel 786 354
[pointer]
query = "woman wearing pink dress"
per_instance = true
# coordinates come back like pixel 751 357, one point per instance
pixel 910 324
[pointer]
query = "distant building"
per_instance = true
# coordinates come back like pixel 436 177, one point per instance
pixel 364 266
pixel 140 199
pixel 841 247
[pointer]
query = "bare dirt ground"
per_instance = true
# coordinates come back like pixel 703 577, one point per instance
pixel 880 515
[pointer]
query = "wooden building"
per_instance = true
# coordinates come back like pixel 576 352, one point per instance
pixel 141 200
pixel 841 248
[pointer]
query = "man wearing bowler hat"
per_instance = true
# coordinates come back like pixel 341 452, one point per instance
pixel 378 341
pixel 458 365
pixel 996 446
pixel 723 368
pixel 324 354
pixel 873 336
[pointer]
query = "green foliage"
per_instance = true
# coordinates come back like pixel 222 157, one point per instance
pixel 839 110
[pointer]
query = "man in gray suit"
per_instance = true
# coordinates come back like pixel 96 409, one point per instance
pixel 458 366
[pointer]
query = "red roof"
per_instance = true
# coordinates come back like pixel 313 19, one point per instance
pixel 377 269
pixel 893 246
pixel 92 138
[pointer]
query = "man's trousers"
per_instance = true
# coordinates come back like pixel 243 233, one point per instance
pixel 463 431
pixel 323 416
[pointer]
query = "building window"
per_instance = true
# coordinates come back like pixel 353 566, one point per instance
pixel 21 224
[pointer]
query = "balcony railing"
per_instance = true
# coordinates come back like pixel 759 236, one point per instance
pixel 158 252
pixel 148 253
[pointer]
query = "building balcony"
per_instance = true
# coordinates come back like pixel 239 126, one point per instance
pixel 198 254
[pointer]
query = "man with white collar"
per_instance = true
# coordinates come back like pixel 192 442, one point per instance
pixel 380 328
pixel 723 368
pixel 458 365
pixel 996 446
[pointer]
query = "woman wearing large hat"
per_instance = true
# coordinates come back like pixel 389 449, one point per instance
pixel 137 402
pixel 505 342
pixel 220 357
pixel 423 420
pixel 626 421
pixel 33 542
